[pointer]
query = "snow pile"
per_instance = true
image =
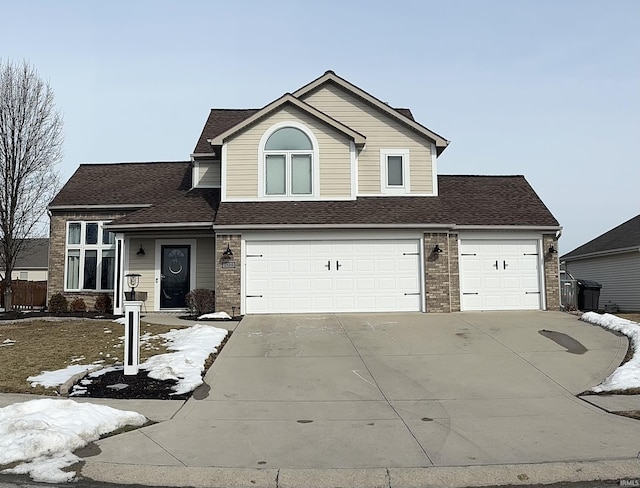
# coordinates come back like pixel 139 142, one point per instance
pixel 121 321
pixel 49 379
pixel 215 315
pixel 42 434
pixel 628 375
pixel 192 347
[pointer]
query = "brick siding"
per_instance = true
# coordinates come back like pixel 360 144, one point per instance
pixel 441 272
pixel 227 278
pixel 551 272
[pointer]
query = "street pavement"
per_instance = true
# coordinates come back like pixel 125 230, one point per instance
pixel 393 400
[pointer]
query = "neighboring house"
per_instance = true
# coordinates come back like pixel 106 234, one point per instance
pixel 32 263
pixel 613 260
pixel 325 200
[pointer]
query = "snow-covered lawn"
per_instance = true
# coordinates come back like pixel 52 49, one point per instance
pixel 41 435
pixel 628 375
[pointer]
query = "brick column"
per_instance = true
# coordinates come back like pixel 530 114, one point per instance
pixel 437 276
pixel 551 272
pixel 454 273
pixel 227 276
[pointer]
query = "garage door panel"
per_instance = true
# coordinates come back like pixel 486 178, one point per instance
pixel 301 276
pixel 499 274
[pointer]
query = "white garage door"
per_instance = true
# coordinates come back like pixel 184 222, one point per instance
pixel 332 276
pixel 499 275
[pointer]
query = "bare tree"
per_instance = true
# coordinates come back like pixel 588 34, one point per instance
pixel 30 148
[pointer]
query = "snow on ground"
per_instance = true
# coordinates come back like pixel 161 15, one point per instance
pixel 41 435
pixel 215 315
pixel 121 321
pixel 628 375
pixel 49 379
pixel 192 347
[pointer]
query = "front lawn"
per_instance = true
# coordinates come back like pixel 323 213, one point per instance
pixel 29 347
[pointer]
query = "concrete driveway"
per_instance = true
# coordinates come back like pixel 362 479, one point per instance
pixel 404 390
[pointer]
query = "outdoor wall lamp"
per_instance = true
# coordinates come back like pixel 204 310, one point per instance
pixel 228 252
pixel 437 248
pixel 552 249
pixel 140 251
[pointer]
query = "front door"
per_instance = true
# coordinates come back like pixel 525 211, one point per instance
pixel 175 276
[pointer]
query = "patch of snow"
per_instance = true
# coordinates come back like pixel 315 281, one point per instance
pixel 215 315
pixel 121 321
pixel 8 341
pixel 49 379
pixel 192 347
pixel 75 360
pixel 102 371
pixel 41 435
pixel 628 375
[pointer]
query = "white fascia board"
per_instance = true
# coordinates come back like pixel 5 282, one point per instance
pixel 420 227
pixel 544 228
pixel 434 169
pixel 609 252
pixel 165 225
pixel 100 207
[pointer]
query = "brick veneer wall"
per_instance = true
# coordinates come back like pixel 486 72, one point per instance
pixel 57 246
pixel 228 279
pixel 442 272
pixel 551 273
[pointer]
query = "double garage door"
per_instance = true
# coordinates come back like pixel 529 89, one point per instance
pixel 332 276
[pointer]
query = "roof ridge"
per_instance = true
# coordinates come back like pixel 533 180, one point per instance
pixel 133 162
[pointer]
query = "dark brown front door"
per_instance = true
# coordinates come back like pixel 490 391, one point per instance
pixel 175 276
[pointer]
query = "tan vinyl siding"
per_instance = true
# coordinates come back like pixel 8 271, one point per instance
pixel 208 174
pixel 242 157
pixel 144 266
pixel 382 132
pixel 205 263
pixel 619 275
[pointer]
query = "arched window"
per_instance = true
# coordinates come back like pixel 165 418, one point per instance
pixel 288 154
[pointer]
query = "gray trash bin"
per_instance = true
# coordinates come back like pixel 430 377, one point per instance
pixel 588 295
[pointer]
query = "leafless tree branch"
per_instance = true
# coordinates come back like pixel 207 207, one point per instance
pixel 30 148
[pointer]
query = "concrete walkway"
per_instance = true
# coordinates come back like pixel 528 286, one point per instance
pixel 400 400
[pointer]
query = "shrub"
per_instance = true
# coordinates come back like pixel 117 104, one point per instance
pixel 103 304
pixel 200 301
pixel 77 305
pixel 58 303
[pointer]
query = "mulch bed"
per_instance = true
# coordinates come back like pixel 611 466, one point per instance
pixel 16 315
pixel 139 387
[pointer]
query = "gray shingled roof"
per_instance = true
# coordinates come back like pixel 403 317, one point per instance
pixel 221 120
pixel 197 205
pixel 624 236
pixel 462 200
pixel 34 254
pixel 125 184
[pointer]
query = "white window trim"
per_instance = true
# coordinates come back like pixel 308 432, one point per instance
pixel 82 247
pixel 385 188
pixel 315 164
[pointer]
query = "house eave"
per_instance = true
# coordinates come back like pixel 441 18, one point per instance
pixel 54 208
pixel 328 226
pixel 609 252
pixel 540 228
pixel 161 225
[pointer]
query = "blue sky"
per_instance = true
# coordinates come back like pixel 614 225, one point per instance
pixel 545 88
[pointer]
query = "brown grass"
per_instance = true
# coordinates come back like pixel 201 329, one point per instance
pixel 48 346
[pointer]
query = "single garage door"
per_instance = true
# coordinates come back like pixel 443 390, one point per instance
pixel 332 276
pixel 499 275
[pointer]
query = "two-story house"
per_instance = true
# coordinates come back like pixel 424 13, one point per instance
pixel 325 200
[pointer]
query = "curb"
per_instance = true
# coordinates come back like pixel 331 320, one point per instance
pixel 431 477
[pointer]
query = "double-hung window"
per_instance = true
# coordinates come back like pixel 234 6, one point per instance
pixel 90 257
pixel 288 163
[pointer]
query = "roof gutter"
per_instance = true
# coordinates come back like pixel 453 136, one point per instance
pixel 100 207
pixel 161 225
pixel 541 228
pixel 328 226
pixel 610 252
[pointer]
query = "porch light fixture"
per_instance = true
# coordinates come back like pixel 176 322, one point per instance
pixel 140 251
pixel 228 252
pixel 133 280
pixel 552 249
pixel 437 249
